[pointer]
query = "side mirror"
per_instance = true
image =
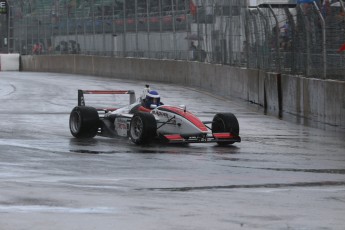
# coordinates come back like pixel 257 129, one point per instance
pixel 183 107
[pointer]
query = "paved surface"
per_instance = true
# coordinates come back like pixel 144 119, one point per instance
pixel 282 175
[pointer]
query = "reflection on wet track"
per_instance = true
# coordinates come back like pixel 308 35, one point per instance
pixel 281 176
pixel 316 184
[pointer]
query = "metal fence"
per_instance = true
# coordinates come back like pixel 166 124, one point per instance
pixel 301 39
pixel 305 39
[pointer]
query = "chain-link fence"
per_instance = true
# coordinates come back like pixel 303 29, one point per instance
pixel 305 39
pixel 301 39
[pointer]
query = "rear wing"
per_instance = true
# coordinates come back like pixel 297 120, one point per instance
pixel 81 99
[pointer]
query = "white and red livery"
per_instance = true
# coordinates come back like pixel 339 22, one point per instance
pixel 164 123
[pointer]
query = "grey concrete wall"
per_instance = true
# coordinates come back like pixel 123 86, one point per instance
pixel 159 42
pixel 320 101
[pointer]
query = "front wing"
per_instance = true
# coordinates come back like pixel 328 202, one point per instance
pixel 215 137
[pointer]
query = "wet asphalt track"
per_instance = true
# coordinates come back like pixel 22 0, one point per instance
pixel 282 175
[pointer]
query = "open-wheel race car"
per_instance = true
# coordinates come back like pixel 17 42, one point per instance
pixel 153 122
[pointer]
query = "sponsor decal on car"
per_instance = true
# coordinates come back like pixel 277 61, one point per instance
pixel 160 114
pixel 121 126
pixel 170 119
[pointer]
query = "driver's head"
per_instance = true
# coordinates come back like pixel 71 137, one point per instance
pixel 152 98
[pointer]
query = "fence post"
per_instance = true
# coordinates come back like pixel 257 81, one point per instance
pixel 324 54
pixel 246 33
pixel 305 23
pixel 278 68
pixel 291 36
pixel 8 19
pixel 124 37
pixel 268 60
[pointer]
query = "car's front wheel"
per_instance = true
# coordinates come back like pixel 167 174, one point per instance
pixel 143 128
pixel 84 122
pixel 225 123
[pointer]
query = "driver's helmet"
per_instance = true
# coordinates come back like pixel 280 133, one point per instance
pixel 152 98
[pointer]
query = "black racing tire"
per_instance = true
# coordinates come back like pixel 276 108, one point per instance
pixel 84 122
pixel 143 128
pixel 225 122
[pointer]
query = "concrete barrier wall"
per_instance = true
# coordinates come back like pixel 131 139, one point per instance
pixel 9 62
pixel 320 101
pixel 271 93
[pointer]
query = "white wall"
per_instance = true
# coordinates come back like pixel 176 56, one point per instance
pixel 9 62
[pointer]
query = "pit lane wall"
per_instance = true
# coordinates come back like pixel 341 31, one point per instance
pixel 316 101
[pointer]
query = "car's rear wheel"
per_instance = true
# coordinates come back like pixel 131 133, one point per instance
pixel 84 122
pixel 143 128
pixel 225 123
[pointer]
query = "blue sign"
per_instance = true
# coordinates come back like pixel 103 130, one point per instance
pixel 3 7
pixel 305 1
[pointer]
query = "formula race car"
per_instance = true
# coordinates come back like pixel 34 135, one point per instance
pixel 159 122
